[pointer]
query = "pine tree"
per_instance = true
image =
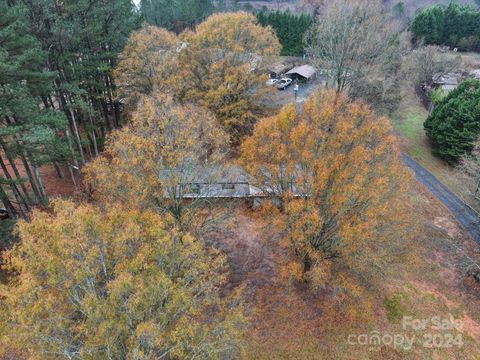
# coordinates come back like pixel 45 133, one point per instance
pixel 455 25
pixel 28 133
pixel 176 15
pixel 289 28
pixel 83 39
pixel 454 125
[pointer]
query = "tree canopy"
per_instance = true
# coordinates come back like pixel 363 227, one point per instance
pixel 216 66
pixel 219 69
pixel 165 146
pixel 114 283
pixel 454 124
pixel 148 62
pixel 469 170
pixel 455 25
pixel 336 167
pixel 27 132
pixel 289 28
pixel 176 15
pixel 356 43
pixel 58 99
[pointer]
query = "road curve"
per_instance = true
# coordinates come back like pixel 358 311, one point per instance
pixel 462 212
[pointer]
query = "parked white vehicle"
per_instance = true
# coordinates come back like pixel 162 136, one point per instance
pixel 284 83
pixel 271 82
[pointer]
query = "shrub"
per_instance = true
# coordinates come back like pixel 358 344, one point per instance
pixel 7 234
pixel 394 307
pixel 436 96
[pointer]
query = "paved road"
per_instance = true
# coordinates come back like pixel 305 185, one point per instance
pixel 464 214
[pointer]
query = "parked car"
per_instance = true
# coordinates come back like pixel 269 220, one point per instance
pixel 271 82
pixel 284 83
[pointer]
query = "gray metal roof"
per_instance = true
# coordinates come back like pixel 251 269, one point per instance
pixel 447 79
pixel 210 181
pixel 279 68
pixel 305 71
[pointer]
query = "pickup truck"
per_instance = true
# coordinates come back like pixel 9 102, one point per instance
pixel 284 83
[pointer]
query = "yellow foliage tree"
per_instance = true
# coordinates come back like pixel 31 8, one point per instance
pixel 267 155
pixel 114 283
pixel 219 68
pixel 165 149
pixel 337 168
pixel 148 61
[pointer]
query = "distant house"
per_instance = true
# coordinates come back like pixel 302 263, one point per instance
pixel 450 81
pixel 278 69
pixel 303 73
pixel 447 82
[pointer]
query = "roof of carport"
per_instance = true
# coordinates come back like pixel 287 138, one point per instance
pixel 305 71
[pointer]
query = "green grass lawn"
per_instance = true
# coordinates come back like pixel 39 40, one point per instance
pixel 408 123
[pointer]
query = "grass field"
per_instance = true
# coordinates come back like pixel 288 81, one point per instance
pixel 408 123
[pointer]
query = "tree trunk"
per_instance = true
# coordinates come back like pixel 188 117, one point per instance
pixel 71 118
pixel 6 202
pixel 58 169
pixel 72 175
pixel 25 163
pixel 31 179
pixel 113 105
pixel 96 105
pixel 16 192
pixel 17 173
pixel 40 184
pixel 105 114
pixel 90 145
pixel 94 136
pixel 77 135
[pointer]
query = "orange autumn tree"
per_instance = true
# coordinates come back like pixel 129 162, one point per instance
pixel 271 157
pixel 218 68
pixel 148 61
pixel 151 162
pixel 112 283
pixel 347 204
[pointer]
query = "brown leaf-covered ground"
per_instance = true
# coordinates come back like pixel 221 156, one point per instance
pixel 290 321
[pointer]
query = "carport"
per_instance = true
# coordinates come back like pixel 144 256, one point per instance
pixel 302 73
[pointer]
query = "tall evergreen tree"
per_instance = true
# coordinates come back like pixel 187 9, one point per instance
pixel 58 99
pixel 176 15
pixel 454 125
pixel 455 25
pixel 290 29
pixel 28 132
pixel 83 39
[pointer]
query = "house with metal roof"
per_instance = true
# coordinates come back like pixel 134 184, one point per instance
pixel 215 182
pixel 447 82
pixel 278 69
